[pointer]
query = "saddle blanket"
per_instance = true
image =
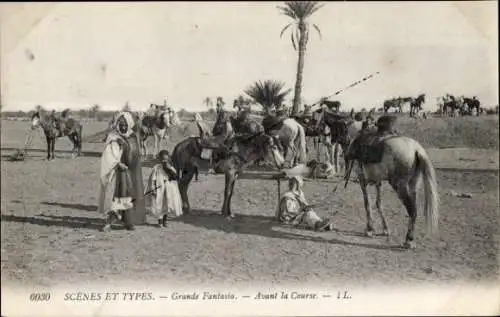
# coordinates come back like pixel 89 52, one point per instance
pixel 368 148
pixel 206 154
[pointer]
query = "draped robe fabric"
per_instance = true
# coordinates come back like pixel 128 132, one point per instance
pixel 292 205
pixel 167 199
pixel 128 184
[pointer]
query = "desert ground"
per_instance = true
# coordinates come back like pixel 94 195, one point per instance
pixel 50 222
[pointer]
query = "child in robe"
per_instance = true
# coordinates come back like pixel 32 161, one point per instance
pixel 164 196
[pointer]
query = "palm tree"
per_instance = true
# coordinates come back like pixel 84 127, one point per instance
pixel 268 93
pixel 300 12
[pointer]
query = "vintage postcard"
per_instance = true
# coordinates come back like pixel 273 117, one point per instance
pixel 249 158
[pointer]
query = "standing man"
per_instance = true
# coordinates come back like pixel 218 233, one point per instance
pixel 120 161
pixel 219 104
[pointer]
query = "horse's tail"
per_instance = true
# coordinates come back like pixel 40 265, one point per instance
pixel 302 143
pixel 431 195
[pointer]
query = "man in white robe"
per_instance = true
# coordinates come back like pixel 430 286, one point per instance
pixel 163 195
pixel 120 161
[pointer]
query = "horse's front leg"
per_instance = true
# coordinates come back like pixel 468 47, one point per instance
pixel 184 181
pixel 53 148
pixel 369 221
pixel 328 151
pixel 230 179
pixel 73 140
pixel 378 204
pixel 317 145
pixel 48 139
pixel 146 152
pixel 336 166
pixel 294 154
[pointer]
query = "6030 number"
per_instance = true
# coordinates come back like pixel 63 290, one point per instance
pixel 39 297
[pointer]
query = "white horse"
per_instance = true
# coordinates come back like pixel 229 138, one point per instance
pixel 292 137
pixel 157 126
pixel 404 163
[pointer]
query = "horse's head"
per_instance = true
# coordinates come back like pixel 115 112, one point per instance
pixel 163 119
pixel 35 120
pixel 318 118
pixel 173 117
pixel 340 130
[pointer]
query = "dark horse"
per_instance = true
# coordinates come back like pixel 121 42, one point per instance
pixel 343 129
pixel 416 104
pixel 332 105
pixel 54 128
pixel 472 103
pixel 237 152
pixel 396 103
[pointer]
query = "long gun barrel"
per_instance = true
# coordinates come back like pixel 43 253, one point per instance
pixel 348 87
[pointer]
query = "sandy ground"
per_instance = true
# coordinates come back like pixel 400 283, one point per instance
pixel 50 230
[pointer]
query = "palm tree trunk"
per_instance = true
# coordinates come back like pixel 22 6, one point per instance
pixel 300 70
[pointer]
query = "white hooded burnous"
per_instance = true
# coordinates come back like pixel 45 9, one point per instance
pixel 120 160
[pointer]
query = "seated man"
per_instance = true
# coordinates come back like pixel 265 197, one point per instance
pixel 294 209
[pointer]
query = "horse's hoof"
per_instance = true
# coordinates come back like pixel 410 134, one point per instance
pixel 386 233
pixel 369 233
pixel 410 245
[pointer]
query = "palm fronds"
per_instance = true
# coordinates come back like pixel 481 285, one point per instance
pixel 299 11
pixel 268 93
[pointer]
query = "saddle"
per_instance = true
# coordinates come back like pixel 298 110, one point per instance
pixel 369 146
pixel 210 146
pixel 273 123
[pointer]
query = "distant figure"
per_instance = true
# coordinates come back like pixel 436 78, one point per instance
pixel 219 104
pixel 164 197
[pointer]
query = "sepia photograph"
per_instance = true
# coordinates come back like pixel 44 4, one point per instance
pixel 249 158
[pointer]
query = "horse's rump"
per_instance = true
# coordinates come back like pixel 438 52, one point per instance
pixel 273 123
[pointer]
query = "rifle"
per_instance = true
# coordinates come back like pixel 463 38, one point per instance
pixel 346 88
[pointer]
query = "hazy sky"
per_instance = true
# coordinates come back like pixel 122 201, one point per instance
pixel 77 54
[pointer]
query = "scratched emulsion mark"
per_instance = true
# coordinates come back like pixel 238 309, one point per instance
pixel 29 54
pixel 480 16
pixel 19 20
